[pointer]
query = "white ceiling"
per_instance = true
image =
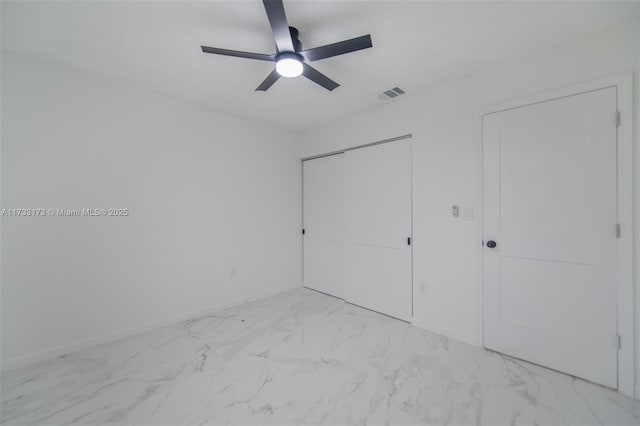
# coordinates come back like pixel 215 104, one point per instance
pixel 416 44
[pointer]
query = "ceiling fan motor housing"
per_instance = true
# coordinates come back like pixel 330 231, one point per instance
pixel 289 55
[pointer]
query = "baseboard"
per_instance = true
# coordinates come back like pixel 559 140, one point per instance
pixel 448 332
pixel 26 360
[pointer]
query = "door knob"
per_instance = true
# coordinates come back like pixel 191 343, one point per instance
pixel 491 244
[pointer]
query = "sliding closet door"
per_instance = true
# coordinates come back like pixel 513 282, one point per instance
pixel 323 218
pixel 378 225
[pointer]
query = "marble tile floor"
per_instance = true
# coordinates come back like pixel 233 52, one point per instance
pixel 301 358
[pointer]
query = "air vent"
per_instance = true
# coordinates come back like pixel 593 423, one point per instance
pixel 390 94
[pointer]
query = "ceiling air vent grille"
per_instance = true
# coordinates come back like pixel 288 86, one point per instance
pixel 390 94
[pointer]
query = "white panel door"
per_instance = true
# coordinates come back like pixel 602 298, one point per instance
pixel 378 223
pixel 550 207
pixel 323 218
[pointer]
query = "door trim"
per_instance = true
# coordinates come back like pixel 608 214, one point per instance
pixel 625 285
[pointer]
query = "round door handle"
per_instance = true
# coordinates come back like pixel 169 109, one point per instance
pixel 491 244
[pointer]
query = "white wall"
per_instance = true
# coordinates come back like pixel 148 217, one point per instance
pixel 444 123
pixel 214 210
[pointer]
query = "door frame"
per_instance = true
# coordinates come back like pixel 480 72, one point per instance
pixel 625 285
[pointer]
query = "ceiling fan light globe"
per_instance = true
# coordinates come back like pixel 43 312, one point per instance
pixel 289 67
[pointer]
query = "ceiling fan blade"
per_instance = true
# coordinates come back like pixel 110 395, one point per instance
pixel 238 53
pixel 279 25
pixel 268 82
pixel 317 77
pixel 335 49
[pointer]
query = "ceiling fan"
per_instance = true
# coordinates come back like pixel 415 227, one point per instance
pixel 291 60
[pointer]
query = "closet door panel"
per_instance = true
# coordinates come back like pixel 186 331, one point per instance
pixel 377 228
pixel 323 219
